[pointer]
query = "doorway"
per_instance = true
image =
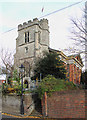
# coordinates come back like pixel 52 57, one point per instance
pixel 26 83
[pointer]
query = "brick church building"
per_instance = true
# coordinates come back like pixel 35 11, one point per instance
pixel 73 65
pixel 32 40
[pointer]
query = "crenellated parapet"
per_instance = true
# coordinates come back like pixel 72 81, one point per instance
pixel 43 23
pixel 32 40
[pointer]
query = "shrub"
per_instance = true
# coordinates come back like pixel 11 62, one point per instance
pixel 5 88
pixel 50 84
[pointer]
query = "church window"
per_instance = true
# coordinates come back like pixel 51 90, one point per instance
pixel 26 37
pixel 26 49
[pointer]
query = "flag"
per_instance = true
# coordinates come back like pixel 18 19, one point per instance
pixel 42 9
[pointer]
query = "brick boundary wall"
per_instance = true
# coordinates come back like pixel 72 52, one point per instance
pixel 65 104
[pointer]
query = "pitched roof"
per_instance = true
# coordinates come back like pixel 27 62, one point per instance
pixel 74 56
pixel 77 56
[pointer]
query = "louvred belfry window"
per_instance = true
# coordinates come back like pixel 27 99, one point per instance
pixel 26 37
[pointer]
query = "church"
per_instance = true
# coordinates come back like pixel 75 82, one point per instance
pixel 32 40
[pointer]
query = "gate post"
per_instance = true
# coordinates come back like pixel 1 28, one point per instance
pixel 45 103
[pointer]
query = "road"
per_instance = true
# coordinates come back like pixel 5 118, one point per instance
pixel 6 117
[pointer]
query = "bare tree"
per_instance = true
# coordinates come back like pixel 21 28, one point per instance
pixel 28 67
pixel 7 61
pixel 78 34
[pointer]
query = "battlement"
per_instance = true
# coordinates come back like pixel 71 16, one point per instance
pixel 43 23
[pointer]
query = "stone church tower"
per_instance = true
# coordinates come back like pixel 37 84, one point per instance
pixel 32 40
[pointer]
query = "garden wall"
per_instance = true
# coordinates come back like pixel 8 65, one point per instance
pixel 65 104
pixel 11 104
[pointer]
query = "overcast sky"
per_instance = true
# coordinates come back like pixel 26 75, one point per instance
pixel 16 12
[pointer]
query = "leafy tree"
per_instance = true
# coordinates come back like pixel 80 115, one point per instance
pixel 50 64
pixel 15 76
pixel 15 86
pixel 5 87
pixel 17 83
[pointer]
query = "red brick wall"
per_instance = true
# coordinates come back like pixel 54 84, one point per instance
pixel 74 74
pixel 71 72
pixel 65 104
